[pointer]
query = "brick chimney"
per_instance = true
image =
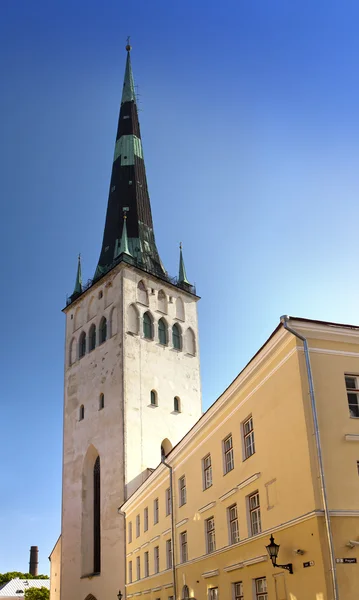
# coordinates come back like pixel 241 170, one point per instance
pixel 34 561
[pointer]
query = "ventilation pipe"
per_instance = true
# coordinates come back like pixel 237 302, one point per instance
pixel 284 320
pixel 34 561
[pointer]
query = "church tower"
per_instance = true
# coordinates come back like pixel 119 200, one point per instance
pixel 132 380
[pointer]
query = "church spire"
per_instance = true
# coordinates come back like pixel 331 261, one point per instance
pixel 182 277
pixel 123 249
pixel 128 188
pixel 78 282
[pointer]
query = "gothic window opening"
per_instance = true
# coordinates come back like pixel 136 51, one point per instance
pixel 101 402
pixel 142 295
pixel 176 404
pixel 103 330
pixel 97 516
pixel 153 397
pixel 176 337
pixel 82 345
pixel 147 326
pixel 162 332
pixel 162 301
pixel 81 413
pixel 92 338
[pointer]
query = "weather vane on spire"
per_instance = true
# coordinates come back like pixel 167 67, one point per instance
pixel 128 47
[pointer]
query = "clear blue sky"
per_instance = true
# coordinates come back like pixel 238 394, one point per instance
pixel 250 125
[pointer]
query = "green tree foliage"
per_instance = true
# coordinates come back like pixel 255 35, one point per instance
pixel 37 594
pixel 5 577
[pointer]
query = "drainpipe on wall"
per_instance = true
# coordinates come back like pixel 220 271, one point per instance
pixel 173 530
pixel 123 514
pixel 284 320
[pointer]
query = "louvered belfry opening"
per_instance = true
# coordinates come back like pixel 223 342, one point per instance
pixel 97 516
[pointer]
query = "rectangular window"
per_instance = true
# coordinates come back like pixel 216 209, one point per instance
pixel 183 547
pixel 213 594
pixel 145 519
pixel 254 513
pixel 147 564
pixel 261 588
pixel 238 591
pixel 130 532
pixel 156 557
pixel 155 511
pixel 182 491
pixel 169 554
pixel 138 526
pixel 351 383
pixel 138 567
pixel 248 438
pixel 210 535
pixel 168 502
pixel 228 454
pixel 207 471
pixel 233 524
pixel 130 571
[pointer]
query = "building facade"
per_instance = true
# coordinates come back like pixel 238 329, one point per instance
pixel 276 455
pixel 132 380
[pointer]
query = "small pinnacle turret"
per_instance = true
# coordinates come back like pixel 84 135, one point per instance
pixel 78 282
pixel 123 249
pixel 128 188
pixel 182 277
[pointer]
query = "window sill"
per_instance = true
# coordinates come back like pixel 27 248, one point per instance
pixel 207 488
pixel 90 575
pixel 176 412
pixel 248 457
pixel 226 473
pixel 152 405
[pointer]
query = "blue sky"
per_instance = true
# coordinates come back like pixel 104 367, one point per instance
pixel 250 126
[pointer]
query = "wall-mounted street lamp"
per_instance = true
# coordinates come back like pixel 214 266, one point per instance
pixel 273 550
pixel 119 595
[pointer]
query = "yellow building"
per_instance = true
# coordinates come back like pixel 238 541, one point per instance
pixel 274 455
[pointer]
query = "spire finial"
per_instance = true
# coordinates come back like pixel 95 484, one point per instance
pixel 78 282
pixel 128 47
pixel 182 277
pixel 124 249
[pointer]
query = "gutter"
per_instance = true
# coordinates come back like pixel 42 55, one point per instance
pixel 284 320
pixel 174 577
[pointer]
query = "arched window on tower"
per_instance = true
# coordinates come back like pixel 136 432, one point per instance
pixel 92 338
pixel 132 319
pixel 97 516
pixel 176 337
pixel 179 309
pixel 81 413
pixel 153 398
pixel 166 448
pixel 82 345
pixel 162 301
pixel 147 326
pixel 101 402
pixel 190 342
pixel 162 332
pixel 103 330
pixel 176 404
pixel 142 295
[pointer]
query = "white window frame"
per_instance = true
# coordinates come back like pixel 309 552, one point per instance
pixel 228 454
pixel 260 594
pixel 248 438
pixel 210 535
pixel 254 509
pixel 156 511
pixel 138 568
pixel 233 527
pixel 145 519
pixel 183 546
pixel 213 593
pixel 168 501
pixel 156 559
pixel 169 553
pixel 130 572
pixel 237 588
pixel 146 558
pixel 182 490
pixel 129 533
pixel 207 471
pixel 138 526
pixel 352 391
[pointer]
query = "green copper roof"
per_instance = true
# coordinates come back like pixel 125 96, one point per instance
pixel 124 248
pixel 128 93
pixel 182 277
pixel 127 147
pixel 78 282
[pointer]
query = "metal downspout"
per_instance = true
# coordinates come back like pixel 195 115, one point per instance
pixel 173 531
pixel 284 320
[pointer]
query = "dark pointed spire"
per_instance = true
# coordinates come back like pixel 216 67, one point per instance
pixel 128 188
pixel 78 282
pixel 182 277
pixel 123 247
